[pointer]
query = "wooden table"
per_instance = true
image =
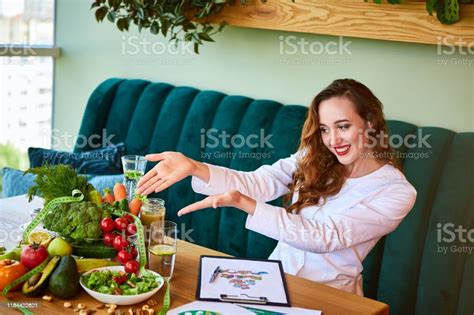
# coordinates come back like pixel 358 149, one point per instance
pixel 303 293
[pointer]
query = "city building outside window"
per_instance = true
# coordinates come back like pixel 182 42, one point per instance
pixel 27 55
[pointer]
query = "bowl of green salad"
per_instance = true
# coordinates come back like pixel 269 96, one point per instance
pixel 112 285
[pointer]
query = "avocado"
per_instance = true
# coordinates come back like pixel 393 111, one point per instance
pixel 37 283
pixel 64 282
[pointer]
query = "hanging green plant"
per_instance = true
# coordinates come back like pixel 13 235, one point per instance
pixel 181 20
pixel 186 20
pixel 447 11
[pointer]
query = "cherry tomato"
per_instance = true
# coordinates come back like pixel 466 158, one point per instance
pixel 120 279
pixel 131 266
pixel 33 255
pixel 128 217
pixel 131 229
pixel 123 256
pixel 133 251
pixel 10 270
pixel 107 224
pixel 109 239
pixel 120 224
pixel 120 242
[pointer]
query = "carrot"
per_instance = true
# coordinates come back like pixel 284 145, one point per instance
pixel 108 197
pixel 135 205
pixel 120 192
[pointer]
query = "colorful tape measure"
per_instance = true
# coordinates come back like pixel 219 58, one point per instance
pixel 166 299
pixel 143 260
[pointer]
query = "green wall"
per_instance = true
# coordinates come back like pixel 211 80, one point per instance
pixel 410 79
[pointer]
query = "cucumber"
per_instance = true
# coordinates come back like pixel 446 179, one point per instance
pixel 94 250
pixel 116 205
pixel 86 264
pixel 123 205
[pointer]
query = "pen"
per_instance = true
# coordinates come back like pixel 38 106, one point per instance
pixel 215 274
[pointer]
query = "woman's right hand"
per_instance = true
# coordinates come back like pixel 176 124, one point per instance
pixel 171 168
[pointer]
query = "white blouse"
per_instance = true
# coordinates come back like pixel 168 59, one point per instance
pixel 324 243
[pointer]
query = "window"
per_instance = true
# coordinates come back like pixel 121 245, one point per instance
pixel 27 55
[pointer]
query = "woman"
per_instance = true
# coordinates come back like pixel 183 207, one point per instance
pixel 348 190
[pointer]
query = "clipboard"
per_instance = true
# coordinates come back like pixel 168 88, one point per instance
pixel 241 280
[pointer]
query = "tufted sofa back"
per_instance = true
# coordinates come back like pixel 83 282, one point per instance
pixel 405 270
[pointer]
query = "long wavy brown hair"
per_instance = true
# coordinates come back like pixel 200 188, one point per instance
pixel 319 174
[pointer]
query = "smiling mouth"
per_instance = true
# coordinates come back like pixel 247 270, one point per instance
pixel 342 150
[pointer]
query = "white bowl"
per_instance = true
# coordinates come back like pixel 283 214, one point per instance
pixel 121 299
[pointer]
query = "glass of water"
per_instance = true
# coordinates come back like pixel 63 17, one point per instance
pixel 133 169
pixel 162 248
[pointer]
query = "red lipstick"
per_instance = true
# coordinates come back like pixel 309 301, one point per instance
pixel 342 150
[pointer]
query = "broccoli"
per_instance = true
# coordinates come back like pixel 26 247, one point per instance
pixel 76 222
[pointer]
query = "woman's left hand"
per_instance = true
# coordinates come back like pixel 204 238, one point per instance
pixel 229 199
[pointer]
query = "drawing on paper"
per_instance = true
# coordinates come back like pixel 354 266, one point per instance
pixel 243 279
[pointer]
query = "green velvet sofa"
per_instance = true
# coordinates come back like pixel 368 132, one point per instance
pixel 405 270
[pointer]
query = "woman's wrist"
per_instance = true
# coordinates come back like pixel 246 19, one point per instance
pixel 200 170
pixel 246 204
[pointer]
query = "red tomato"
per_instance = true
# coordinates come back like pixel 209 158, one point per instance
pixel 131 266
pixel 128 217
pixel 123 256
pixel 107 224
pixel 109 239
pixel 120 224
pixel 120 242
pixel 131 229
pixel 33 255
pixel 120 279
pixel 133 251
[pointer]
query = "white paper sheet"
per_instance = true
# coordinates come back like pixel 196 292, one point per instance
pixel 200 308
pixel 280 309
pixel 239 277
pixel 195 308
